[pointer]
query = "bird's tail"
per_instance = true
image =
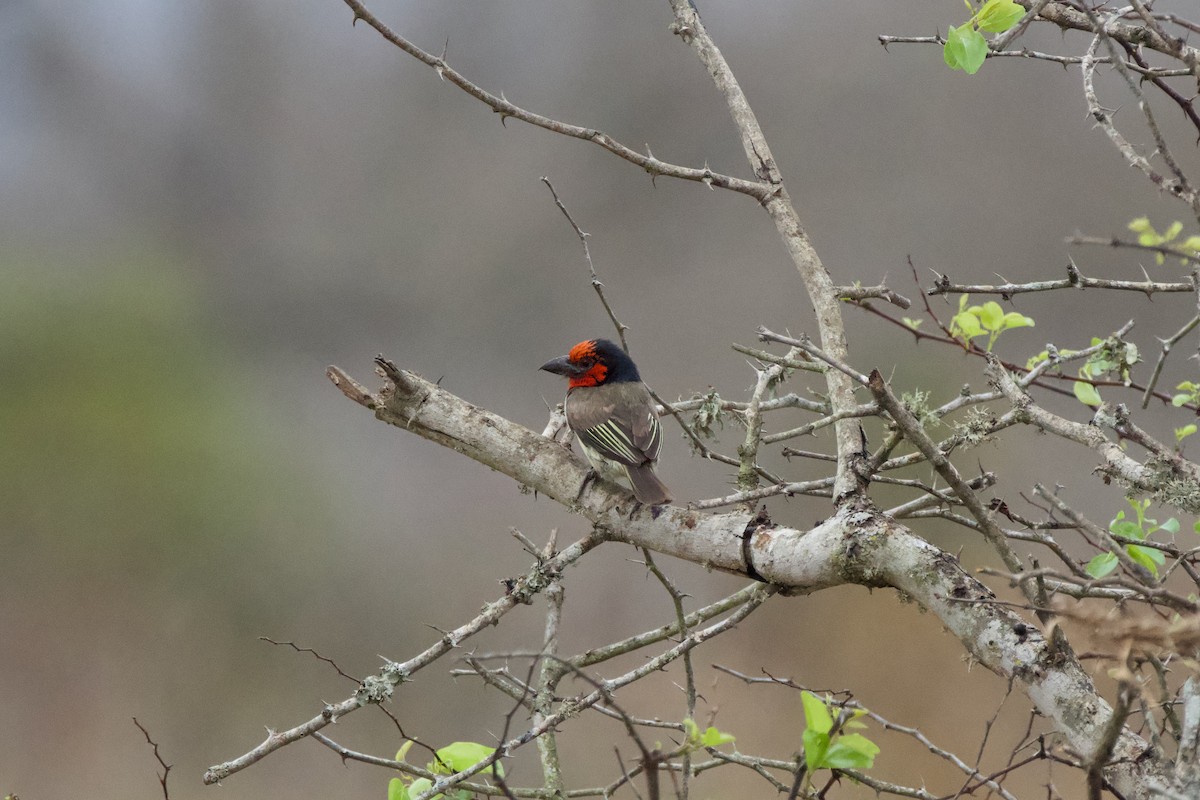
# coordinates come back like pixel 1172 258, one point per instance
pixel 647 488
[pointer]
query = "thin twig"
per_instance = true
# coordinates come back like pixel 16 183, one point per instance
pixel 587 255
pixel 166 768
pixel 377 688
pixel 758 190
pixel 1146 286
pixel 692 640
pixel 1171 341
pixel 748 469
pixel 548 678
pixel 1112 730
pixel 314 654
pixel 688 671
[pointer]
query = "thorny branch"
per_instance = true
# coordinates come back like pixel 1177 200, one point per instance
pixel 166 768
pixel 500 105
pixel 1074 280
pixel 379 687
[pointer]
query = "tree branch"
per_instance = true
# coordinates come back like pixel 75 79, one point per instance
pixel 378 688
pixel 856 545
pixel 817 281
pixel 506 109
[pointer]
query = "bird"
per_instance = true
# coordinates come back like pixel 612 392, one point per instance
pixel 612 414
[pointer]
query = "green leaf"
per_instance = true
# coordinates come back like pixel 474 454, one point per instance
pixel 851 751
pixel 1192 243
pixel 715 738
pixel 1145 231
pixel 815 746
pixel 845 751
pixel 1188 394
pixel 1148 557
pixel 1014 320
pixel 1196 526
pixel 459 755
pixel 912 323
pixel 952 55
pixel 1128 529
pixel 816 713
pixel 397 790
pixel 1035 360
pixel 991 314
pixel 1173 230
pixel 1101 565
pixel 997 16
pixel 974 51
pixel 421 785
pixel 710 738
pixel 1171 526
pixel 966 326
pixel 1097 366
pixel 1150 553
pixel 965 49
pixel 1087 394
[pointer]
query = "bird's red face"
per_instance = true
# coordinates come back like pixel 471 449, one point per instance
pixel 584 365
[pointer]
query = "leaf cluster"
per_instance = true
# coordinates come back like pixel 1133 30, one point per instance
pixel 988 319
pixel 1114 359
pixel 1189 248
pixel 700 739
pixel 1139 528
pixel 451 759
pixel 825 744
pixel 965 46
pixel 1188 393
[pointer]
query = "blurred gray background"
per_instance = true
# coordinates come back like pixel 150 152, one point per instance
pixel 204 204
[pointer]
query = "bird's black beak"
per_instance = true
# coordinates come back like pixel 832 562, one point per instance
pixel 562 366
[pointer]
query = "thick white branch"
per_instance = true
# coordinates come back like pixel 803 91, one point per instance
pixel 857 545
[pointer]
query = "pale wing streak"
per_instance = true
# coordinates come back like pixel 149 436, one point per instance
pixel 655 439
pixel 613 438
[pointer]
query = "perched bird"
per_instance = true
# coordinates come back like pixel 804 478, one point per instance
pixel 611 411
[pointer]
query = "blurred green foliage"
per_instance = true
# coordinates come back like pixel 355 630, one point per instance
pixel 128 431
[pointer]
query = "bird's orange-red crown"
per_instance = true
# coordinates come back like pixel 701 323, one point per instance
pixel 582 354
pixel 582 351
